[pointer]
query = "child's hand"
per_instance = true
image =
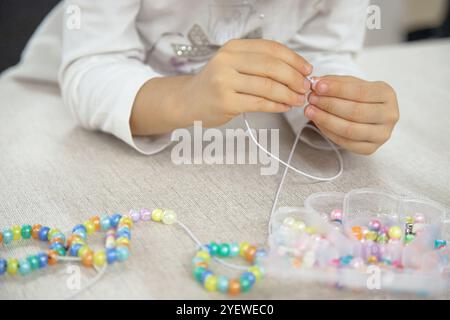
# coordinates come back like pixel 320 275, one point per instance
pixel 245 76
pixel 355 114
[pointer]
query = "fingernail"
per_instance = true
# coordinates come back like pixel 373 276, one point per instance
pixel 307 68
pixel 306 84
pixel 309 112
pixel 321 87
pixel 301 98
pixel 313 99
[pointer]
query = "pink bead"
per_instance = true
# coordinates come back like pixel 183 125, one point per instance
pixel 336 215
pixel 145 215
pixel 135 215
pixel 419 218
pixel 375 225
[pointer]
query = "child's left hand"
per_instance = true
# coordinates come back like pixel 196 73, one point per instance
pixel 358 115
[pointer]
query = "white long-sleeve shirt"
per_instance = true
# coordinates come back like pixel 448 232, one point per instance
pixel 102 52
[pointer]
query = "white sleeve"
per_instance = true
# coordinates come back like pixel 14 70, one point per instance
pixel 329 41
pixel 102 69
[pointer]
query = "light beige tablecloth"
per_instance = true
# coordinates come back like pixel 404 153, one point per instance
pixel 55 173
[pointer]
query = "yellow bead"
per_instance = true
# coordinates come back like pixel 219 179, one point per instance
pixel 83 250
pixel 122 241
pixel 12 266
pixel 256 272
pixel 16 230
pixel 243 248
pixel 169 217
pixel 310 230
pixel 157 215
pixel 52 232
pixel 211 283
pixel 90 227
pixel 99 258
pixel 126 220
pixel 204 255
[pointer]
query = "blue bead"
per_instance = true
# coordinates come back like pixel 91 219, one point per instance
pixel 24 267
pixel 111 255
pixel 74 249
pixel 8 236
pixel 115 218
pixel 105 223
pixel 43 233
pixel 81 233
pixel 122 253
pixel 222 284
pixel 234 249
pixel 205 274
pixel 2 266
pixel 250 276
pixel 123 233
pixel 79 227
pixel 260 253
pixel 43 259
pixel 56 245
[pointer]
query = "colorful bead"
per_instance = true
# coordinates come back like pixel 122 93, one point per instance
pixel 243 248
pixel 395 232
pixel 16 230
pixel 234 287
pixel 52 257
pixel 234 249
pixel 336 215
pixel 89 227
pixel 224 250
pixel 43 233
pixel 169 217
pixel 126 221
pixel 99 258
pixel 213 248
pixel 204 255
pixel 111 255
pixel 7 236
pixel 409 238
pixel 371 235
pixel 357 232
pixel 134 215
pixel 157 215
pixel 146 215
pixel 438 244
pixel 375 225
pixel 105 223
pixel 122 253
pixel 222 284
pixel 34 262
pixel 244 283
pixel 43 259
pixel 3 265
pixel 35 231
pixel 96 221
pixel 197 273
pixel 115 218
pixel 211 283
pixel 12 266
pixel 87 259
pixel 256 271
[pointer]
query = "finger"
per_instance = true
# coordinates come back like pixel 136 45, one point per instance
pixel 344 128
pixel 370 113
pixel 268 89
pixel 365 148
pixel 272 48
pixel 249 103
pixel 350 88
pixel 268 66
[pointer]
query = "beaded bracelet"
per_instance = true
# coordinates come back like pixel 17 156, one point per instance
pixel 211 282
pixel 26 265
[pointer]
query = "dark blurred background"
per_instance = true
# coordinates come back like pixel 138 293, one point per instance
pixel 402 20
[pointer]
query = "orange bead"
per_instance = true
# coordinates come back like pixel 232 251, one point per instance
pixel 234 287
pixel 72 238
pixel 35 231
pixel 52 257
pixel 60 240
pixel 357 232
pixel 202 264
pixel 87 259
pixel 96 221
pixel 1 237
pixel 250 253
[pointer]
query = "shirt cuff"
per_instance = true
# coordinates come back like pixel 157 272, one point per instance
pixel 121 129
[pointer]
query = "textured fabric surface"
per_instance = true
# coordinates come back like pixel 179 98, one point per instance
pixel 54 173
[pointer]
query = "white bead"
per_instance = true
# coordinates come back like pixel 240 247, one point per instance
pixel 169 217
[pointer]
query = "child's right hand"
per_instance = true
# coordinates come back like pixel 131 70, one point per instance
pixel 245 76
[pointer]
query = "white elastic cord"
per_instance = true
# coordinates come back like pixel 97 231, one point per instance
pixel 94 280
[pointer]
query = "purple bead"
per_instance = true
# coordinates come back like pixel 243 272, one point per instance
pixel 135 215
pixel 145 215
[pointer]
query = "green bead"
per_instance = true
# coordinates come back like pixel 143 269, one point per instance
pixel 224 250
pixel 61 251
pixel 245 284
pixel 409 238
pixel 34 262
pixel 197 273
pixel 26 231
pixel 213 248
